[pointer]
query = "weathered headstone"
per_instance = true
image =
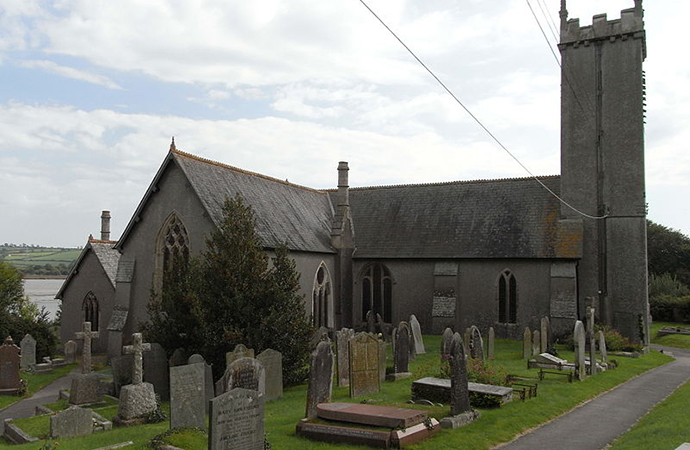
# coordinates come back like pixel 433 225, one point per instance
pixel 320 335
pixel 196 359
pixel 476 343
pixel 590 337
pixel 85 387
pixel 341 346
pixel 536 342
pixel 86 335
pixel 246 373
pixel 459 390
pixel 383 353
pixel 320 384
pixel 188 396
pixel 466 340
pixel 446 341
pixel 156 370
pixel 380 328
pixel 272 362
pixel 545 331
pixel 28 346
pixel 237 421
pixel 70 352
pixel 401 357
pixel 10 382
pixel 364 364
pixel 240 351
pixel 491 345
pixel 417 335
pixel 602 347
pixel 371 322
pixel 178 358
pixel 208 377
pixel 139 398
pixel 411 346
pixel 527 343
pixel 71 422
pixel 121 367
pixel 579 341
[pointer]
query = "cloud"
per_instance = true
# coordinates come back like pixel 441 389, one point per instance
pixel 70 72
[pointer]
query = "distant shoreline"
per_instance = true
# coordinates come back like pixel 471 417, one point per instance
pixel 45 277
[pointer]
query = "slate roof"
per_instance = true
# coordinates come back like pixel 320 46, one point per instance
pixel 511 218
pixel 285 212
pixel 106 255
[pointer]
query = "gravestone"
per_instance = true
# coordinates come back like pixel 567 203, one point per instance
pixel 446 341
pixel 139 398
pixel 364 364
pixel 208 377
pixel 70 352
pixel 237 421
pixel 476 343
pixel 10 382
pixel 85 386
pixel 401 356
pixel 380 328
pixel 545 330
pixel 28 346
pixel 343 355
pixel 272 362
pixel 178 358
pixel 536 342
pixel 490 347
pixel 527 343
pixel 71 422
pixel 466 340
pixel 86 335
pixel 371 322
pixel 188 396
pixel 404 324
pixel 156 371
pixel 590 337
pixel 121 367
pixel 417 335
pixel 602 347
pixel 382 360
pixel 320 384
pixel 246 373
pixel 579 340
pixel 240 351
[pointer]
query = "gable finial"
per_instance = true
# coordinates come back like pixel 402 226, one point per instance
pixel 172 144
pixel 564 17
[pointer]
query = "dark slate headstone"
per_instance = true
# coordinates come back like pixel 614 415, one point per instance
pixel 371 322
pixel 178 358
pixel 545 332
pixel 187 396
pixel 476 343
pixel 272 362
pixel 417 335
pixel 527 343
pixel 342 337
pixel 70 352
pixel 237 421
pixel 364 365
pixel 320 384
pixel 459 390
pixel 382 360
pixel 71 422
pixel 10 381
pixel 380 326
pixel 446 341
pixel 121 367
pixel 240 351
pixel 410 339
pixel 246 373
pixel 28 346
pixel 401 358
pixel 156 371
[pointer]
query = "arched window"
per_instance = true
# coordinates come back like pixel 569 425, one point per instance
pixel 322 303
pixel 89 308
pixel 377 292
pixel 507 298
pixel 172 247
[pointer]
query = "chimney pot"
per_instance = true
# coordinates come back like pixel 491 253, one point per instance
pixel 343 187
pixel 105 226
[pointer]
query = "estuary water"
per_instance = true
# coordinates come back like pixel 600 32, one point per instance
pixel 42 292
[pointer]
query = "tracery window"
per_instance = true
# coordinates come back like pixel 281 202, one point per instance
pixel 377 292
pixel 322 302
pixel 172 247
pixel 507 298
pixel 89 308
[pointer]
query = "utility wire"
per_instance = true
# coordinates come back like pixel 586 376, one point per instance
pixel 495 139
pixel 549 20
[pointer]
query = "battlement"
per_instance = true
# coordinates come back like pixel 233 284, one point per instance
pixel 630 24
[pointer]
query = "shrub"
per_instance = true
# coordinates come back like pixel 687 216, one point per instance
pixel 670 309
pixel 666 285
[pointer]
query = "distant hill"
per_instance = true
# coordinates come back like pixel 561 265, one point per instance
pixel 33 260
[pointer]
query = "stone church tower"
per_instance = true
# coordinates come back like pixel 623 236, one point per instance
pixel 602 163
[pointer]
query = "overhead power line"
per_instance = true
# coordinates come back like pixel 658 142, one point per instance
pixel 481 125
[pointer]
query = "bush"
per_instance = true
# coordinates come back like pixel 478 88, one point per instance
pixel 666 285
pixel 667 308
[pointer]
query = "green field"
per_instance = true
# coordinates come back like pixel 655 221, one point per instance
pixel 40 260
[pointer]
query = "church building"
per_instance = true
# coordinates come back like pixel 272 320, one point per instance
pixel 500 253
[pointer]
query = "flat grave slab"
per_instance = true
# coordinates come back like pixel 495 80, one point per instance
pixel 378 416
pixel 438 390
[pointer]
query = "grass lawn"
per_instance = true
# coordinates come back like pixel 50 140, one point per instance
pixel 556 396
pixel 666 426
pixel 678 340
pixel 36 382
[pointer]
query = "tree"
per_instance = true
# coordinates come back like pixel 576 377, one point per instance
pixel 229 295
pixel 668 251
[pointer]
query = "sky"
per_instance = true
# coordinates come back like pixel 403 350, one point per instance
pixel 91 92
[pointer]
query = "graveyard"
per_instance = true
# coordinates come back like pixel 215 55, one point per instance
pixel 554 396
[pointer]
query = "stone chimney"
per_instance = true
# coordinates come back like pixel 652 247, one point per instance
pixel 105 226
pixel 343 188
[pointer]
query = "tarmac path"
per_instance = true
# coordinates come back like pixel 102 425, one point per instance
pixel 598 422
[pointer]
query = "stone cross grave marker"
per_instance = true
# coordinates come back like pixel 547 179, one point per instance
pixel 320 384
pixel 188 396
pixel 476 343
pixel 156 370
pixel 28 346
pixel 491 345
pixel 237 421
pixel 10 381
pixel 602 346
pixel 342 338
pixel 86 335
pixel 417 335
pixel 446 341
pixel 545 330
pixel 208 377
pixel 70 352
pixel 459 389
pixel 247 373
pixel 139 398
pixel 590 337
pixel 71 422
pixel 536 342
pixel 527 343
pixel 240 351
pixel 579 340
pixel 137 349
pixel 401 357
pixel 272 362
pixel 364 365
